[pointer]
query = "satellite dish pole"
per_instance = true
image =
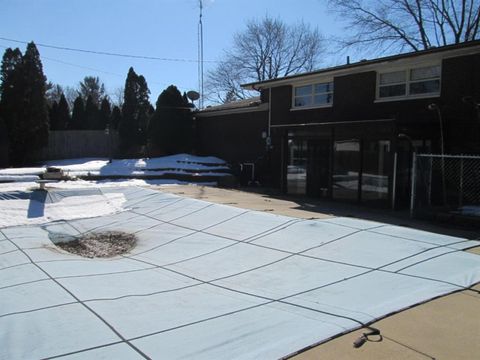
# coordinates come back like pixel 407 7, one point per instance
pixel 200 56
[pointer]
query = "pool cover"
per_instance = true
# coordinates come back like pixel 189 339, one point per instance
pixel 209 281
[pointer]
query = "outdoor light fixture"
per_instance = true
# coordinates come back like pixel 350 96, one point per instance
pixel 470 100
pixel 405 136
pixel 434 107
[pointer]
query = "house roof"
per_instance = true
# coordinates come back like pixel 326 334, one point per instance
pixel 442 52
pixel 239 106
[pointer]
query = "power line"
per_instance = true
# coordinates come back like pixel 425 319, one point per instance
pixel 81 66
pixel 107 53
pixel 98 70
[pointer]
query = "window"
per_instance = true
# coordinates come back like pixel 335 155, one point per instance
pixel 411 82
pixel 314 95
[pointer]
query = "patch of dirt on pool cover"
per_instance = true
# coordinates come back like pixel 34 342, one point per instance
pixel 103 245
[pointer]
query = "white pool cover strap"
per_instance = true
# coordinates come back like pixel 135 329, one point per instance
pixel 211 281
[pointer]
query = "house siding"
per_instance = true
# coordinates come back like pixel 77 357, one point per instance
pixel 235 138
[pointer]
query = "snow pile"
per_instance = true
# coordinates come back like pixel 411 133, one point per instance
pixel 18 178
pixel 20 174
pixel 174 164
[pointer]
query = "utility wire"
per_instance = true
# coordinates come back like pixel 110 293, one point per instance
pixel 97 70
pixel 107 53
pixel 81 66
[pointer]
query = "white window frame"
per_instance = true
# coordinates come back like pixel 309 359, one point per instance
pixel 312 95
pixel 408 82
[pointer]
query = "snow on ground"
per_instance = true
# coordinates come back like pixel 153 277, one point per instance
pixel 23 204
pixel 471 210
pixel 80 184
pixel 176 164
pixel 34 209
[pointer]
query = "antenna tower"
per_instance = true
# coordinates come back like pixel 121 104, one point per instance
pixel 200 56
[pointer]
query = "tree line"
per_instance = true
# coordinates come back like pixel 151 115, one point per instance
pixel 268 48
pixel 30 107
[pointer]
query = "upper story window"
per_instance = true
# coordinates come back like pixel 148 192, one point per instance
pixel 313 95
pixel 410 82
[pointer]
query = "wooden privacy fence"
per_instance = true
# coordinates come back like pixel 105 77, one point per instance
pixel 78 143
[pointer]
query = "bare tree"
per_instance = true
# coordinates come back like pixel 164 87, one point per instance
pixel 267 49
pixel 53 92
pixel 407 25
pixel 117 96
pixel 70 95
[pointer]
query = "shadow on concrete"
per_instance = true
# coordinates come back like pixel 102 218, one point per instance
pixel 388 216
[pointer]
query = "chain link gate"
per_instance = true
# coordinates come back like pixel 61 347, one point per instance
pixel 445 184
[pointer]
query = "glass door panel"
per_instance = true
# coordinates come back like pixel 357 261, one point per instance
pixel 297 167
pixel 375 174
pixel 346 170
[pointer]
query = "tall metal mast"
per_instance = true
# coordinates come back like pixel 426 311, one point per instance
pixel 200 56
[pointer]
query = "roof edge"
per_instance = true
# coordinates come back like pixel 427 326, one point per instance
pixel 362 63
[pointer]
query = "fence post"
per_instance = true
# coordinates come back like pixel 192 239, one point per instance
pixel 460 193
pixel 429 198
pixel 413 185
pixel 394 180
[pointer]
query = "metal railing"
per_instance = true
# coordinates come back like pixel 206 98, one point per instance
pixel 445 183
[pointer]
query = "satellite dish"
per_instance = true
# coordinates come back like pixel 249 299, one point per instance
pixel 193 95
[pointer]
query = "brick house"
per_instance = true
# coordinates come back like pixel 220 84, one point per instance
pixel 348 132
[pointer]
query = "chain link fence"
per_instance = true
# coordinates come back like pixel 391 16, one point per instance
pixel 448 184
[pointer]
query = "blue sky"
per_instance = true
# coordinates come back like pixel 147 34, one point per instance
pixel 157 28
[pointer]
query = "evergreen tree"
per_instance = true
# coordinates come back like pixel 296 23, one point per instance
pixel 134 120
pixel 171 127
pixel 144 107
pixel 128 127
pixel 115 117
pixel 11 87
pixel 4 162
pixel 92 86
pixel 30 131
pixel 53 116
pixel 78 115
pixel 104 114
pixel 91 115
pixel 63 113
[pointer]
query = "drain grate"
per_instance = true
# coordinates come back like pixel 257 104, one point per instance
pixel 102 244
